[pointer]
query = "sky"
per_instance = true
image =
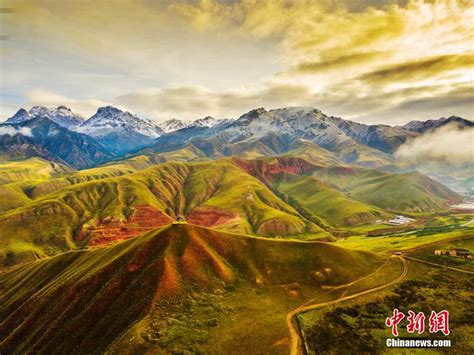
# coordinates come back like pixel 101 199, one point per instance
pixel 382 61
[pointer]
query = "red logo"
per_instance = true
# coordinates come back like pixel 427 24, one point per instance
pixel 394 320
pixel 438 322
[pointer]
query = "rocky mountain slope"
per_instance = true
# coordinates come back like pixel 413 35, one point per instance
pixel 120 131
pixel 61 115
pixel 41 137
pixel 431 125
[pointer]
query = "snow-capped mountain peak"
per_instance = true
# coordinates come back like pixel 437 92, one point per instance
pixel 61 115
pixel 207 121
pixel 431 125
pixel 110 119
pixel 173 125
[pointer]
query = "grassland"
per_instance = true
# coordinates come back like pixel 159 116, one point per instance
pixel 333 207
pixel 402 242
pixel 274 197
pixel 200 191
pixel 409 192
pixel 90 299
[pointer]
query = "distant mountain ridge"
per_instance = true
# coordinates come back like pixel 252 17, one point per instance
pixel 61 115
pixel 51 141
pixel 120 131
pixel 256 133
pixel 430 125
pixel 174 124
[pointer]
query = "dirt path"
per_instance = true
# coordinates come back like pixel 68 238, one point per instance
pixel 439 265
pixel 427 245
pixel 295 331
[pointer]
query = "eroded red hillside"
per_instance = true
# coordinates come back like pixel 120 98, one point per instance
pixel 143 219
pixel 263 169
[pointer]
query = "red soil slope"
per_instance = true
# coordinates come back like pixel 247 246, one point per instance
pixel 143 219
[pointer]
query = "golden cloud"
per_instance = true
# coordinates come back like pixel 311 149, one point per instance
pixel 420 69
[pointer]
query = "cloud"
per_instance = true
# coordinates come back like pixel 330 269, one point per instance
pixel 354 51
pixel 186 58
pixel 26 131
pixel 449 144
pixel 191 102
pixel 419 69
pixel 340 61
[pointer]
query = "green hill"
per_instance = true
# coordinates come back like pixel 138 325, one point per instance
pixel 217 194
pixel 412 192
pixel 50 209
pixel 29 169
pixel 83 301
pixel 290 178
pixel 332 206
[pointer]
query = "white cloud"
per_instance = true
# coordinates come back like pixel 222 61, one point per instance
pixel 192 102
pixel 26 131
pixel 448 143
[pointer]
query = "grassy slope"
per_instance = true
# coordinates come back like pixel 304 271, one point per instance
pixel 173 188
pixel 29 169
pixel 403 192
pixel 333 206
pixel 88 298
pixel 57 207
pixel 290 178
pixel 16 177
pixel 314 154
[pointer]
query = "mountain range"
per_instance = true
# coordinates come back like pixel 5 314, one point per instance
pixel 112 133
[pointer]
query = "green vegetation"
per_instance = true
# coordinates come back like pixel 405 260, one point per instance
pixel 332 206
pixel 29 169
pixel 358 325
pixel 399 192
pixel 400 242
pixel 89 298
pixel 217 191
pixel 427 254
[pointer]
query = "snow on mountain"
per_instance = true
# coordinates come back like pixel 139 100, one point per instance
pixel 431 125
pixel 110 120
pixel 207 121
pixel 61 115
pixel 302 122
pixel 173 125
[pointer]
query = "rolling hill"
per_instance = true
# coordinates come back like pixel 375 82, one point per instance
pixel 291 179
pixel 87 299
pixel 104 210
pixel 273 197
pixel 411 191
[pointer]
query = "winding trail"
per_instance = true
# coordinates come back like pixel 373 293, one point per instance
pixel 439 265
pixel 292 323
